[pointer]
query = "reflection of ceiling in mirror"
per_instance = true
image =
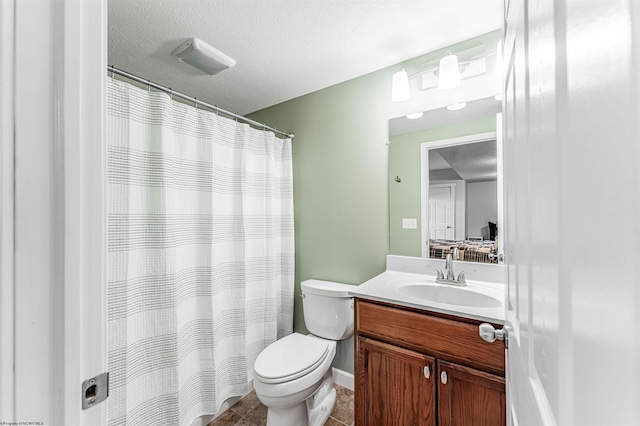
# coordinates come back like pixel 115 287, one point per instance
pixel 436 162
pixel 473 162
pixel 443 117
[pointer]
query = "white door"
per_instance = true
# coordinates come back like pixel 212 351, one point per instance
pixel 441 212
pixel 570 126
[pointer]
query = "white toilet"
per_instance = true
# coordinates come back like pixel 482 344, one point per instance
pixel 292 376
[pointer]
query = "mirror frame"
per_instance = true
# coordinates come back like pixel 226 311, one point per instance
pixel 425 147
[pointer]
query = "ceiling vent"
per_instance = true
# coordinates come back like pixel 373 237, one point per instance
pixel 201 55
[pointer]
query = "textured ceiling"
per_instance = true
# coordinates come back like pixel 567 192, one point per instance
pixel 284 48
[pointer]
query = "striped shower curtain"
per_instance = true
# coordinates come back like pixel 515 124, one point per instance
pixel 200 255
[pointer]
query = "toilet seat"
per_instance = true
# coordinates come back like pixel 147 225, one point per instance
pixel 290 358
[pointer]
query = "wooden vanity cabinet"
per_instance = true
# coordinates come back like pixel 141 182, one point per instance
pixel 466 393
pixel 416 368
pixel 399 389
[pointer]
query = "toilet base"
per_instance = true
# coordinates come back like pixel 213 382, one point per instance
pixel 296 415
pixel 313 411
pixel 320 414
pixel 321 403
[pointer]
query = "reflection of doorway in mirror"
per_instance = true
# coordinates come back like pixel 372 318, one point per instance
pixel 468 162
pixel 441 208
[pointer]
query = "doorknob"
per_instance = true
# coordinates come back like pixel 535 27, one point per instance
pixel 449 227
pixel 489 334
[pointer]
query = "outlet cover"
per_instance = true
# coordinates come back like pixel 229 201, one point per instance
pixel 409 223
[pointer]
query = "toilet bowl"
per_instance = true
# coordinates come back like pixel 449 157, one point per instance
pixel 292 376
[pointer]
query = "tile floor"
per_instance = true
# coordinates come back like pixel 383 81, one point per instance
pixel 249 411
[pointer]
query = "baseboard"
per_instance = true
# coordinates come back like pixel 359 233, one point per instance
pixel 342 378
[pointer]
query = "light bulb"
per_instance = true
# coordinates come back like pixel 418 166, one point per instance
pixel 449 72
pixel 400 86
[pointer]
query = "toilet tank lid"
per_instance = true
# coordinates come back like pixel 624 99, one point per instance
pixel 326 288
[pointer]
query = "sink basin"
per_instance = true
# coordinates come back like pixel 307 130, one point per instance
pixel 460 296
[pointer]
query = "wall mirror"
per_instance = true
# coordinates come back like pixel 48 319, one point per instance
pixel 445 181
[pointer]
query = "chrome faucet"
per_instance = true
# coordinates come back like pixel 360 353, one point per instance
pixel 448 263
pixel 451 276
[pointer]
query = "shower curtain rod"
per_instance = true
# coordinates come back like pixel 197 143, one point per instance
pixel 196 101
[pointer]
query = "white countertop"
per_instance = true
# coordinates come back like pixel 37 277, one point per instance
pixel 386 288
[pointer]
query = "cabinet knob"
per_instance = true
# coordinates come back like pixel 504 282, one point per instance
pixel 427 372
pixel 443 377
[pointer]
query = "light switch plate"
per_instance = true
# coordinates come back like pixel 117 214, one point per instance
pixel 409 224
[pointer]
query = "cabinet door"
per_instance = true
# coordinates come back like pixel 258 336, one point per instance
pixel 469 396
pixel 394 386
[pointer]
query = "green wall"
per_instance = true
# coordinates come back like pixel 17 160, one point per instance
pixel 340 185
pixel 404 162
pixel 340 178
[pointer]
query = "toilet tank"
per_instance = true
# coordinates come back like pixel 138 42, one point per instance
pixel 328 309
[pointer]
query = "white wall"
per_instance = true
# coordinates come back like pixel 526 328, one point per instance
pixel 482 207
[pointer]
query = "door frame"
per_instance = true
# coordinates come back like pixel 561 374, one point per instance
pixel 425 147
pixel 7 376
pixel 85 183
pixel 52 215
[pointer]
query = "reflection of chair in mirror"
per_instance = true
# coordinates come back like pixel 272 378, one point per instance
pixel 493 230
pixel 470 251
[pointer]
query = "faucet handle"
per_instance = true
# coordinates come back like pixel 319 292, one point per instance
pixel 440 273
pixel 461 277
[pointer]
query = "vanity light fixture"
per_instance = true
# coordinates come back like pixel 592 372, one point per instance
pixel 449 72
pixel 445 73
pixel 400 86
pixel 455 107
pixel 414 115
